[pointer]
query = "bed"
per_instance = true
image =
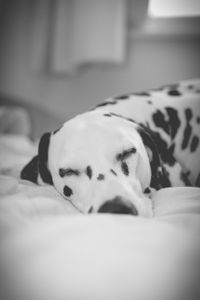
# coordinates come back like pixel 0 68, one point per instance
pixel 49 250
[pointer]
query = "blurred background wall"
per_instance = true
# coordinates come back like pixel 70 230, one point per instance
pixel 151 57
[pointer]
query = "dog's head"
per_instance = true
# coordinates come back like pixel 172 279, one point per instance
pixel 100 162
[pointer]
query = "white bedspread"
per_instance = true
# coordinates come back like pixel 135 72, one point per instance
pixel 49 251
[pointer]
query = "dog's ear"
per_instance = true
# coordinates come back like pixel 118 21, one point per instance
pixel 159 176
pixel 43 158
pixel 30 171
pixel 38 166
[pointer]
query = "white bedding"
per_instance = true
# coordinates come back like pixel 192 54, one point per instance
pixel 50 251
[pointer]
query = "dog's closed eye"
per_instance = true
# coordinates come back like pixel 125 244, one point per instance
pixel 68 172
pixel 125 154
pixel 124 168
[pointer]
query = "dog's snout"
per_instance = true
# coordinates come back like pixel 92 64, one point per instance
pixel 118 205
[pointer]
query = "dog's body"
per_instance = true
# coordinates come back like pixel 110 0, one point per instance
pixel 173 112
pixel 110 158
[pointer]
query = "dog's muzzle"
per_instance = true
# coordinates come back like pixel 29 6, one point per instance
pixel 118 205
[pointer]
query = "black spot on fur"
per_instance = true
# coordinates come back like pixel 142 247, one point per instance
pixel 186 136
pixel 198 120
pixel 184 177
pixel 197 183
pixel 194 143
pixel 67 191
pixel 188 114
pixel 122 97
pixel 149 102
pixel 160 121
pixel 169 123
pixel 101 177
pixel 68 172
pixel 163 149
pixel 107 115
pixel 174 93
pixel 125 168
pixel 113 172
pixel 107 103
pixel 89 172
pixel 174 122
pixel 188 129
pixel 190 86
pixel 142 94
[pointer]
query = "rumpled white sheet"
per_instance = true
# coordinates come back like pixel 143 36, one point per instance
pixel 50 251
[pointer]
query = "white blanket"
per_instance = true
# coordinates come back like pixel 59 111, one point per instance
pixel 50 251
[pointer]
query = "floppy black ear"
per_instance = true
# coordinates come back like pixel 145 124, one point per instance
pixel 43 158
pixel 39 164
pixel 30 171
pixel 159 176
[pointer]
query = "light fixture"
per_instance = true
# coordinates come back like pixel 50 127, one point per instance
pixel 173 8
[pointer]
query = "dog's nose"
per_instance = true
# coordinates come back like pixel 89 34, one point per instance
pixel 118 205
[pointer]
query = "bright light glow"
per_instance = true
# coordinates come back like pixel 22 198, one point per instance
pixel 174 8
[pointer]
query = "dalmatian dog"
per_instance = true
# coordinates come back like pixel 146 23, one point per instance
pixel 112 157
